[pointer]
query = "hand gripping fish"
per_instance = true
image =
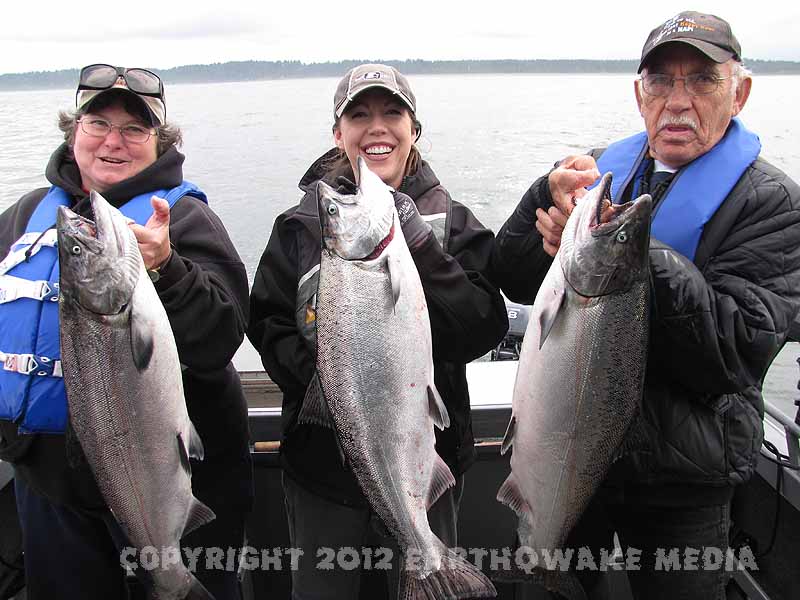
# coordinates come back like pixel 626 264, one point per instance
pixel 125 392
pixel 581 372
pixel 374 382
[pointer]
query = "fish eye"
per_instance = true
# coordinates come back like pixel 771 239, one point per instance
pixel 622 236
pixel 331 209
pixel 76 250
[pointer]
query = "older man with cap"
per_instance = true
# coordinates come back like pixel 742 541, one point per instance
pixel 375 119
pixel 119 143
pixel 725 272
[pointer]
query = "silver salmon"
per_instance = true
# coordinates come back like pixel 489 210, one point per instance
pixel 581 370
pixel 125 392
pixel 375 386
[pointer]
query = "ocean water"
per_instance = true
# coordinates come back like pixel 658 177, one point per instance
pixel 488 137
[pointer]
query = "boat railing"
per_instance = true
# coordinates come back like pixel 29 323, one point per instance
pixel 791 431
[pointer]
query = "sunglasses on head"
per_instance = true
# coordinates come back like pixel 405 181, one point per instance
pixel 103 77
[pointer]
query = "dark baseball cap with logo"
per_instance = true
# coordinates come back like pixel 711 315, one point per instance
pixel 367 76
pixel 708 33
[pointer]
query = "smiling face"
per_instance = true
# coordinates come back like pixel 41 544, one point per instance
pixel 378 127
pixel 681 127
pixel 105 161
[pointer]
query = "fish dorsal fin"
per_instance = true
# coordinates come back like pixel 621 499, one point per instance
pixel 510 495
pixel 549 313
pixel 199 514
pixel 441 480
pixel 196 450
pixel 437 409
pixel 141 340
pixel 395 276
pixel 508 439
pixel 315 409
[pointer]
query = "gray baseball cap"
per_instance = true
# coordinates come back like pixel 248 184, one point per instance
pixel 367 76
pixel 708 33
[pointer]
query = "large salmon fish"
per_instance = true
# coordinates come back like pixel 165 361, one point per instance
pixel 125 392
pixel 375 382
pixel 581 370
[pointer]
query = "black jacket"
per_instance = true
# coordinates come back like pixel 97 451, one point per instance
pixel 716 325
pixel 467 316
pixel 204 290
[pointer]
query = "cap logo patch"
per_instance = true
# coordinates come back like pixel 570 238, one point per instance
pixel 678 24
pixel 372 75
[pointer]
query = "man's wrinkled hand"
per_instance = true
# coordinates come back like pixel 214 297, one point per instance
pixel 569 180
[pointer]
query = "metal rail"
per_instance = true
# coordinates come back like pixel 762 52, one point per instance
pixel 791 429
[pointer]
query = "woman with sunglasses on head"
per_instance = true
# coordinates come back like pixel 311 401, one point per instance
pixel 119 144
pixel 375 120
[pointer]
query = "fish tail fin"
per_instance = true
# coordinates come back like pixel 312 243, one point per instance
pixel 456 579
pixel 197 591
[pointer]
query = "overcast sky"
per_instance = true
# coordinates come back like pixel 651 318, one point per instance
pixel 46 36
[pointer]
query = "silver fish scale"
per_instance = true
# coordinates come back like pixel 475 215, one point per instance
pixel 372 362
pixel 583 387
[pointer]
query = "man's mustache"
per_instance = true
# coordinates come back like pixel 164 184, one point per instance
pixel 679 121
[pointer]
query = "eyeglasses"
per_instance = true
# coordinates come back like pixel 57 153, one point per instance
pixel 96 127
pixel 696 84
pixel 103 77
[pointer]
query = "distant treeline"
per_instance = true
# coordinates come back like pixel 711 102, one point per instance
pixel 253 70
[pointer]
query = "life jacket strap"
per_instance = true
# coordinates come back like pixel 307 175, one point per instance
pixel 22 249
pixel 29 364
pixel 12 288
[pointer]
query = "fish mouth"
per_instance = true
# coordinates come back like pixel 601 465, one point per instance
pixel 620 213
pixel 78 229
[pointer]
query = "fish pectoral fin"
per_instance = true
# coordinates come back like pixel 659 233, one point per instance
pixel 315 409
pixel 510 495
pixel 438 411
pixel 395 276
pixel 508 439
pixel 441 480
pixel 199 514
pixel 196 450
pixel 549 313
pixel 142 343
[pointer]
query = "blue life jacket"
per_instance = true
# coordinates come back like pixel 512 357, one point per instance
pixel 31 387
pixel 697 190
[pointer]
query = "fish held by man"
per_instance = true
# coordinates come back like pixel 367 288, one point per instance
pixel 125 392
pixel 374 385
pixel 581 372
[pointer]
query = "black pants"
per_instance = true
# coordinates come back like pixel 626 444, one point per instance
pixel 672 551
pixel 75 554
pixel 335 538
